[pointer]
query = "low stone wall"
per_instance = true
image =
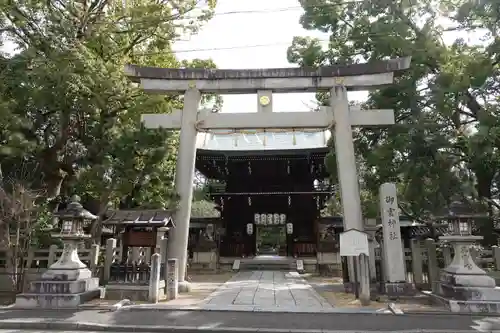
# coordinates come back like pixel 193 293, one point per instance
pixel 204 261
pixel 30 275
pixel 329 263
pixel 132 292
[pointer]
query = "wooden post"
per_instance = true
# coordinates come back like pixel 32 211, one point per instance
pixel 52 255
pixel 432 264
pixel 447 255
pixel 163 250
pixel 94 258
pixel 135 254
pixel 416 261
pixel 364 266
pixel 154 279
pixel 109 258
pixel 495 250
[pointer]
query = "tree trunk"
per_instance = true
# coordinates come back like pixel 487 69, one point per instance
pixel 54 185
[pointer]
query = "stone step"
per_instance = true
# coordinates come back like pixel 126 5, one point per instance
pixel 266 266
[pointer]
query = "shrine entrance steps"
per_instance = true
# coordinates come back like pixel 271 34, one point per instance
pixel 268 263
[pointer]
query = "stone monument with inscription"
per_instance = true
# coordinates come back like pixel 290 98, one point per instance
pixel 172 277
pixel 393 253
pixel 465 287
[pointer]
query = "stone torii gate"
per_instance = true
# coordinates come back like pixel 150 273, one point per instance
pixel 264 82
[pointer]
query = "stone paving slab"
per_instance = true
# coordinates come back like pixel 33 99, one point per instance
pixel 267 291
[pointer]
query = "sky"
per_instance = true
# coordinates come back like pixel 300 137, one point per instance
pixel 269 23
pixel 274 25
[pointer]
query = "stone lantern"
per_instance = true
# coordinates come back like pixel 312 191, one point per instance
pixel 463 284
pixel 68 282
pixel 73 219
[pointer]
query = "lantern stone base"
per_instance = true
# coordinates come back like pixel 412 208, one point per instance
pixel 462 306
pixel 59 294
pixel 468 293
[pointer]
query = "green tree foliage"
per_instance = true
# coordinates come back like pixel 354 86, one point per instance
pixel 67 108
pixel 445 144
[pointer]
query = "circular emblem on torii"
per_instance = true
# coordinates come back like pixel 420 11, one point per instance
pixel 264 100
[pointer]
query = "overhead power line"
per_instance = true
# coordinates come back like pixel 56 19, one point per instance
pixel 286 9
pixel 360 38
pixel 189 16
pixel 228 48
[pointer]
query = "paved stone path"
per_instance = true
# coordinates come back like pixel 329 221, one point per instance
pixel 267 290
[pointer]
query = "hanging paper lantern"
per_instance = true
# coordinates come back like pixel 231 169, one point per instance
pixel 269 218
pixel 276 218
pixel 249 228
pixel 289 228
pixel 282 218
pixel 256 218
pixel 263 219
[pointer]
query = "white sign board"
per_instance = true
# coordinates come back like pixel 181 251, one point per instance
pixel 353 243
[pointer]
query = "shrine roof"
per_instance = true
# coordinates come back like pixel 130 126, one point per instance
pixel 210 153
pixel 256 140
pixel 459 209
pixel 140 218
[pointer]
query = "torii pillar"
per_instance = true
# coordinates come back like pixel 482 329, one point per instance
pixel 184 180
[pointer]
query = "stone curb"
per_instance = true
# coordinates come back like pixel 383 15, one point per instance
pixel 139 308
pixel 81 326
pixel 417 313
pixel 79 308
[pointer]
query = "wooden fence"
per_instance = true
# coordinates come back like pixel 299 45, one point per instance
pixel 420 270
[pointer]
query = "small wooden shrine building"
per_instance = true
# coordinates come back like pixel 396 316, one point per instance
pixel 139 228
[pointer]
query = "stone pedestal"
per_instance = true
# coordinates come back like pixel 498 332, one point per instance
pixel 59 294
pixel 66 284
pixel 463 286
